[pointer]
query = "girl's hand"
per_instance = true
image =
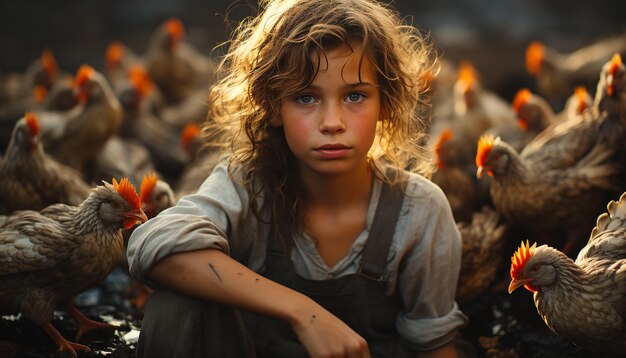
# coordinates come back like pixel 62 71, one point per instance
pixel 324 335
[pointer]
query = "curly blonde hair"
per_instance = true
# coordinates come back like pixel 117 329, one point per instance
pixel 277 54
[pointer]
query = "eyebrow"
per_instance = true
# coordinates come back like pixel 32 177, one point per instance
pixel 349 85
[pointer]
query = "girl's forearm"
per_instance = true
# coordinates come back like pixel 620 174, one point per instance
pixel 212 275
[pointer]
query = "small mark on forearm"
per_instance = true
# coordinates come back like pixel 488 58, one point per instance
pixel 239 273
pixel 312 319
pixel 215 272
pixel 256 280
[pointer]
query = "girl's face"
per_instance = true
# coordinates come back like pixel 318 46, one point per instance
pixel 330 126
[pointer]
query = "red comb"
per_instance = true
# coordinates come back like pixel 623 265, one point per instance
pixel 114 54
pixel 485 143
pixel 534 57
pixel 467 74
pixel 521 98
pixel 127 191
pixel 175 28
pixel 140 78
pixel 83 74
pixel 616 63
pixel 521 256
pixel 39 93
pixel 445 136
pixel 32 123
pixel 191 131
pixel 147 185
pixel 48 63
pixel 583 99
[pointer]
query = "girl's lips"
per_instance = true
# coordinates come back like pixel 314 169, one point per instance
pixel 332 151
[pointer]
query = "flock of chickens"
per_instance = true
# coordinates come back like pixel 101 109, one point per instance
pixel 509 170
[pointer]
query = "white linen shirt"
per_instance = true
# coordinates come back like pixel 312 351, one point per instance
pixel 423 262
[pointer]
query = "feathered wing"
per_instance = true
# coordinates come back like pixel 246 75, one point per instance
pixel 574 138
pixel 24 249
pixel 607 248
pixel 608 238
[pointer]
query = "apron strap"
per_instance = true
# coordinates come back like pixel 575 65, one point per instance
pixel 376 248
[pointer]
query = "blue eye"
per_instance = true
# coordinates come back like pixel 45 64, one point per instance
pixel 305 99
pixel 355 97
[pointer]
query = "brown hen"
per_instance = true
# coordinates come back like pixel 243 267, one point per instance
pixel 47 257
pixel 84 130
pixel 483 247
pixel 31 88
pixel 583 301
pixel 557 73
pixel 159 138
pixel 543 193
pixel 565 175
pixel 455 178
pixel 176 67
pixel 30 178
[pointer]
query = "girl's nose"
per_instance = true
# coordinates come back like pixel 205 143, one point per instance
pixel 332 120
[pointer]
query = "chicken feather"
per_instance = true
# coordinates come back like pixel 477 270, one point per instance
pixel 48 256
pixel 584 300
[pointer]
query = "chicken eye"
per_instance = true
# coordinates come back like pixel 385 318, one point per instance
pixel 116 205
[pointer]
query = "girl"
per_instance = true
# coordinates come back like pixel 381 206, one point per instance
pixel 312 238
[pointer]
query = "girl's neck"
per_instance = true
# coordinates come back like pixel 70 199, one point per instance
pixel 344 189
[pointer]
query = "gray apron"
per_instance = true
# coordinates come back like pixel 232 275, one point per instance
pixel 359 300
pixel 175 325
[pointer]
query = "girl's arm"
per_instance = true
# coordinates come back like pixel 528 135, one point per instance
pixel 212 275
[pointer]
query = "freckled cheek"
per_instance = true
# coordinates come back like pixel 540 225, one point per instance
pixel 297 135
pixel 366 127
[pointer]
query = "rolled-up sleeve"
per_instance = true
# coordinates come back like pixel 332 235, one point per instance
pixel 198 221
pixel 429 274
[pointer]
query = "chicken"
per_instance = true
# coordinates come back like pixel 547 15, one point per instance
pixel 483 247
pixel 32 87
pixel 49 256
pixel 455 178
pixel 476 109
pixel 156 195
pixel 192 109
pixel 603 124
pixel 204 159
pixel 161 140
pixel 549 189
pixel 30 178
pixel 60 97
pixel 87 127
pixel 534 113
pixel 118 60
pixel 121 158
pixel 558 73
pixel 611 90
pixel 576 104
pixel 176 67
pixel 584 300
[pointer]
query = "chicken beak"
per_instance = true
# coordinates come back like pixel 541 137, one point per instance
pixel 479 172
pixel 131 218
pixel 515 284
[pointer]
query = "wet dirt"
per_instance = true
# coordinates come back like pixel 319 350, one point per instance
pixel 501 325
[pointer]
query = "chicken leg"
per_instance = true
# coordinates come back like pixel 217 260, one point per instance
pixel 84 323
pixel 63 344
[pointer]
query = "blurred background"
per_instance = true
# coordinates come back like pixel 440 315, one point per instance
pixel 492 34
